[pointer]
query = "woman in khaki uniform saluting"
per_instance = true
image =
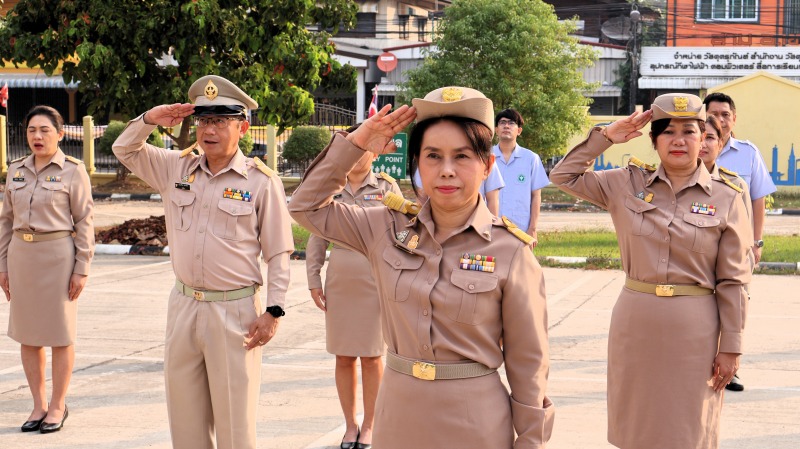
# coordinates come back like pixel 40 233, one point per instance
pixel 676 329
pixel 452 280
pixel 350 303
pixel 46 247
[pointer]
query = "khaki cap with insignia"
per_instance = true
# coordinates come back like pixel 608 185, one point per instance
pixel 678 106
pixel 456 101
pixel 214 95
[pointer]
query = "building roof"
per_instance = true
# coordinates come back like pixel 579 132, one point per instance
pixel 35 80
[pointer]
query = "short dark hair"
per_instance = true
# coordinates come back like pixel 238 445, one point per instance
pixel 510 114
pixel 51 113
pixel 478 134
pixel 659 126
pixel 719 97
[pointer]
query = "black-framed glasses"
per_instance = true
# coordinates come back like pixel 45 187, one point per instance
pixel 504 122
pixel 218 122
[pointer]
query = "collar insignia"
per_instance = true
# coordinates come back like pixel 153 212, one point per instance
pixel 414 242
pixel 401 236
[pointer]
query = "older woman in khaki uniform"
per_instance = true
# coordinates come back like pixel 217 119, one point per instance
pixel 452 280
pixel 350 303
pixel 46 247
pixel 676 329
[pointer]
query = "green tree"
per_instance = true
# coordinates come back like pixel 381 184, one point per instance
pixel 106 141
pixel 130 55
pixel 518 54
pixel 305 143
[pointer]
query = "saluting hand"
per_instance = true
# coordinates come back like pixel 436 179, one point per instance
pixel 4 285
pixel 76 284
pixel 261 331
pixel 168 115
pixel 319 298
pixel 628 128
pixel 377 132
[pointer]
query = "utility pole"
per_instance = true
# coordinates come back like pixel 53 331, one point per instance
pixel 636 18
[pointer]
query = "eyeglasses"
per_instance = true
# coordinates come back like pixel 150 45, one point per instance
pixel 218 122
pixel 505 122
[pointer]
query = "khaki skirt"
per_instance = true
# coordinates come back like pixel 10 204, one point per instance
pixel 38 277
pixel 461 413
pixel 660 356
pixel 353 318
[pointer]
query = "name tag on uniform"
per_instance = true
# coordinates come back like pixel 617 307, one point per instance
pixel 52 179
pixel 182 186
pixel 18 177
pixel 236 194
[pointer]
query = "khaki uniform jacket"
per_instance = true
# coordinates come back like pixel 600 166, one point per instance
pixel 215 241
pixel 58 198
pixel 432 309
pixel 662 241
pixel 370 194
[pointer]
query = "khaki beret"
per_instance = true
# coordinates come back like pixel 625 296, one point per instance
pixel 214 95
pixel 678 106
pixel 456 102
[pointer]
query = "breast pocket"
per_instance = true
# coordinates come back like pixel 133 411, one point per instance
pixel 182 205
pixel 232 214
pixel 404 268
pixel 18 193
pixel 472 297
pixel 642 215
pixel 699 232
pixel 57 194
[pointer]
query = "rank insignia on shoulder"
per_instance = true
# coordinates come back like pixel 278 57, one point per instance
pixel 188 149
pixel 703 209
pixel 730 183
pixel 18 177
pixel 52 179
pixel 518 233
pixel 182 186
pixel 377 197
pixel 401 236
pixel 236 194
pixel 476 262
pixel 74 160
pixel 728 172
pixel 639 163
pixel 386 176
pixel 397 202
pixel 262 167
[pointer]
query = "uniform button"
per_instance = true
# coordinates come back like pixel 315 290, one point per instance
pixel 425 347
pixel 205 206
pixel 639 209
pixel 425 312
pixel 438 252
pixel 397 263
pixel 202 230
pixel 673 202
pixel 471 287
pixel 666 239
pixel 663 260
pixel 197 256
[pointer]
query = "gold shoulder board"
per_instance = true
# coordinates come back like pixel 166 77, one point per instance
pixel 262 167
pixel 729 183
pixel 640 163
pixel 397 202
pixel 386 177
pixel 728 172
pixel 518 233
pixel 19 159
pixel 74 160
pixel 188 149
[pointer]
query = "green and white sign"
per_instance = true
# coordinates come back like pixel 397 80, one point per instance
pixel 394 164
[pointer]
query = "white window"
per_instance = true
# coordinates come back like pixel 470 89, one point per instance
pixel 733 10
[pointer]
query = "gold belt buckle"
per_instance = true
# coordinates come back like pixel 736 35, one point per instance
pixel 665 290
pixel 27 237
pixel 424 371
pixel 198 295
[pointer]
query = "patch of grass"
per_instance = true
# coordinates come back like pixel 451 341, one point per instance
pixel 300 235
pixel 781 248
pixel 786 198
pixel 596 244
pixel 552 194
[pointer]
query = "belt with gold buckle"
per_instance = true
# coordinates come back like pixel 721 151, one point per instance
pixel 215 295
pixel 430 371
pixel 41 236
pixel 666 290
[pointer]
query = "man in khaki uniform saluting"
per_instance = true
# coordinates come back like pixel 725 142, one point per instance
pixel 223 210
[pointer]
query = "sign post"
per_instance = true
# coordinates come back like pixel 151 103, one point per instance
pixel 394 164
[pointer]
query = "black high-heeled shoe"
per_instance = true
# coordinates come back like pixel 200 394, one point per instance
pixel 351 444
pixel 33 425
pixel 47 427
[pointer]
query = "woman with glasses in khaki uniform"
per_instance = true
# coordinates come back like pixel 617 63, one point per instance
pixel 676 329
pixel 453 280
pixel 46 247
pixel 350 303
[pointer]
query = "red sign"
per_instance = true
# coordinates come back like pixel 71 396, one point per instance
pixel 387 62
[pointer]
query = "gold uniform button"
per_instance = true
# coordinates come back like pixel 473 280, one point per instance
pixel 471 287
pixel 425 347
pixel 425 312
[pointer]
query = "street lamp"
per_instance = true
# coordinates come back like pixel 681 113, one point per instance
pixel 636 17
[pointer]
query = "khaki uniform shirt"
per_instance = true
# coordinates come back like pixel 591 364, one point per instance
pixel 58 198
pixel 433 310
pixel 662 241
pixel 369 194
pixel 214 240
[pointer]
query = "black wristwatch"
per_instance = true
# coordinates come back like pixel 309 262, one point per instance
pixel 759 243
pixel 276 311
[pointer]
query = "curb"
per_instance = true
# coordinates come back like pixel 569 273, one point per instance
pixel 145 250
pixel 127 196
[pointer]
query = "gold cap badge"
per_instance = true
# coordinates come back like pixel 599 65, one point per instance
pixel 210 90
pixel 452 94
pixel 681 104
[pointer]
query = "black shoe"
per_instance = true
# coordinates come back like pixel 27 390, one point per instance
pixel 33 426
pixel 735 384
pixel 363 446
pixel 351 444
pixel 47 427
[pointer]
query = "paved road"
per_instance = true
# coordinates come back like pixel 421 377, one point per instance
pixel 117 394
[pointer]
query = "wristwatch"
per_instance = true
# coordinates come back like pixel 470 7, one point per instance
pixel 276 311
pixel 759 244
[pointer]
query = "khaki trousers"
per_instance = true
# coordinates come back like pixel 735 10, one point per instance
pixel 212 381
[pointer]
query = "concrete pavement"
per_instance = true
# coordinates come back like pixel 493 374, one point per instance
pixel 117 393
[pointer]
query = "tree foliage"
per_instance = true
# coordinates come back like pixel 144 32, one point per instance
pixel 305 143
pixel 519 55
pixel 117 49
pixel 105 144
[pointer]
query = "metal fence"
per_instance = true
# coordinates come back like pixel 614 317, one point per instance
pixel 71 145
